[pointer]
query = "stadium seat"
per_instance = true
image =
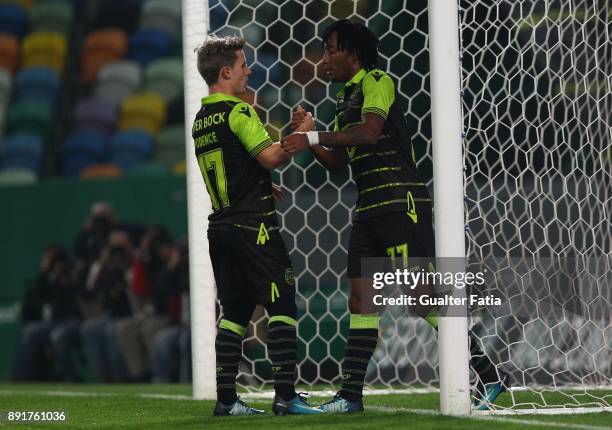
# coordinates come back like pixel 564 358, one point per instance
pixel 165 77
pixel 9 52
pixel 82 149
pixel 170 145
pixel 21 151
pixel 162 15
pixel 12 176
pixel 44 48
pixel 118 80
pixel 13 20
pixel 26 4
pixel 145 111
pixel 101 47
pixel 56 16
pixel 96 114
pixel 148 45
pixel 130 148
pixel 30 116
pixel 101 171
pixel 37 83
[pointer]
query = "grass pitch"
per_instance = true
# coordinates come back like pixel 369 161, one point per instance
pixel 169 407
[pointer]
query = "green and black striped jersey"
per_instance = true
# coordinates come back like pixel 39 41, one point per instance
pixel 385 173
pixel 228 135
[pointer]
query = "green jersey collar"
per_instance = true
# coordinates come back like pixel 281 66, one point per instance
pixel 219 97
pixel 355 79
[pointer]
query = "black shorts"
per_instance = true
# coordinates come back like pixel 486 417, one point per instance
pixel 390 235
pixel 245 268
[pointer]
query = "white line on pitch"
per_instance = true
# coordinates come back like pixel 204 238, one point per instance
pixel 553 424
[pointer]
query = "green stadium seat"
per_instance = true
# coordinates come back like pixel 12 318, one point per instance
pixel 55 16
pixel 170 146
pixel 5 86
pixel 30 116
pixel 162 15
pixel 165 77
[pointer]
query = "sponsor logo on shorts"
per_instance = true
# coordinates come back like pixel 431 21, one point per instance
pixel 289 279
pixel 263 235
pixel 411 212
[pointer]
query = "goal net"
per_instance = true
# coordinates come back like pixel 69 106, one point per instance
pixel 537 154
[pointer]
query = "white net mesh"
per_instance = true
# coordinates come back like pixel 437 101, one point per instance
pixel 537 106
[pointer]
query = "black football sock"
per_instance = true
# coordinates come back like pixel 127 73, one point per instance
pixel 282 350
pixel 228 348
pixel 360 346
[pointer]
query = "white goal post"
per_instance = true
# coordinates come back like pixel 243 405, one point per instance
pixel 446 131
pixel 201 279
pixel 510 105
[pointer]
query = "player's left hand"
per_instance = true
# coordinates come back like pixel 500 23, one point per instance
pixel 295 143
pixel 278 193
pixel 297 117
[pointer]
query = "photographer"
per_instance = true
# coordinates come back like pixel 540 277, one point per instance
pixel 50 322
pixel 154 301
pixel 93 237
pixel 109 283
pixel 171 358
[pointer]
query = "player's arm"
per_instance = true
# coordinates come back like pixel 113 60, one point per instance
pixel 272 157
pixel 366 133
pixel 329 146
pixel 333 159
pixel 246 125
pixel 379 95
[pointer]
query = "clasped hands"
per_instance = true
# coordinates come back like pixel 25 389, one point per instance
pixel 301 122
